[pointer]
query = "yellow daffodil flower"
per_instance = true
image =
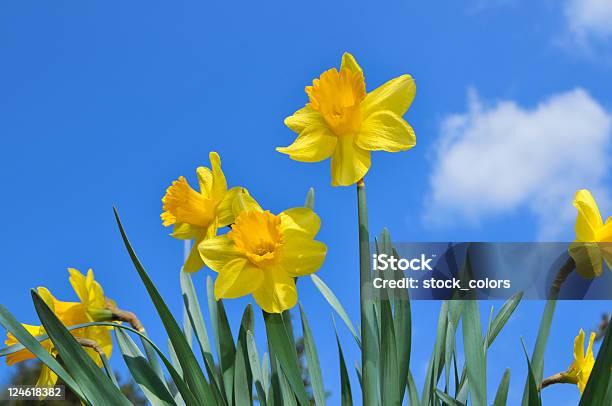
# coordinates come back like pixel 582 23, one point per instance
pixel 198 215
pixel 263 253
pixel 593 244
pixel 345 123
pixel 580 370
pixel 69 313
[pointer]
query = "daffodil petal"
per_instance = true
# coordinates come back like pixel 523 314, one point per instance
pixel 396 95
pixel 588 258
pixel 349 162
pixel 579 348
pixel 225 213
pixel 304 118
pixel 194 262
pixel 46 377
pixel 185 231
pixel 218 251
pixel 349 61
pixel 300 219
pixel 314 144
pixel 277 292
pixel 386 131
pixel 588 220
pixel 237 278
pixel 302 256
pixel 219 185
pixel 245 202
pixel 205 180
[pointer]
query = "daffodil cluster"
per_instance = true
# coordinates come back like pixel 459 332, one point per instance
pixel 89 308
pixel 261 254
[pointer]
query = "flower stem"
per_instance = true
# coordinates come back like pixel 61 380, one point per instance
pixel 368 336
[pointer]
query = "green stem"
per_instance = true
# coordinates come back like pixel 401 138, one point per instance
pixel 368 337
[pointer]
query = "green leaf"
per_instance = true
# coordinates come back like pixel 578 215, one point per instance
pixel 599 386
pixel 345 383
pixel 533 394
pixel 258 379
pixel 502 391
pixel 474 353
pixel 109 370
pixel 100 388
pixel 312 361
pixel 194 312
pixel 283 348
pixel 413 393
pixel 537 358
pixel 335 304
pixel 287 395
pixel 389 381
pixel 153 388
pixel 243 377
pixel 310 199
pixel 434 369
pixel 449 352
pixel 502 317
pixel 447 399
pixel 193 373
pixel 33 345
pixel 265 375
pixel 226 350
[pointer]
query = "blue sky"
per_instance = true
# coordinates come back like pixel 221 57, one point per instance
pixel 104 105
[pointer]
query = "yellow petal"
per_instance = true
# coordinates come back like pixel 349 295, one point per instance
pixel 277 291
pixel 87 289
pixel 219 186
pixel 303 118
pixel 301 256
pixel 589 219
pixel 185 231
pixel 46 377
pixel 386 131
pixel 579 349
pixel 218 251
pixel 348 61
pixel 300 219
pixel 604 234
pixel 237 278
pixel 314 144
pixel 349 162
pixel 225 213
pixel 24 354
pixel 194 262
pixel 396 95
pixel 245 202
pixel 205 180
pixel 588 259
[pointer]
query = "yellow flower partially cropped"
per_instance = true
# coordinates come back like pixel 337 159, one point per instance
pixel 69 313
pixel 345 123
pixel 263 253
pixel 580 370
pixel 197 215
pixel 593 244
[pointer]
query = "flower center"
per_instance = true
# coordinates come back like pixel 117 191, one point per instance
pixel 257 235
pixel 337 96
pixel 182 204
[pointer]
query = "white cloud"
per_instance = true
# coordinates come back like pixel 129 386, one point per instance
pixel 589 18
pixel 495 159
